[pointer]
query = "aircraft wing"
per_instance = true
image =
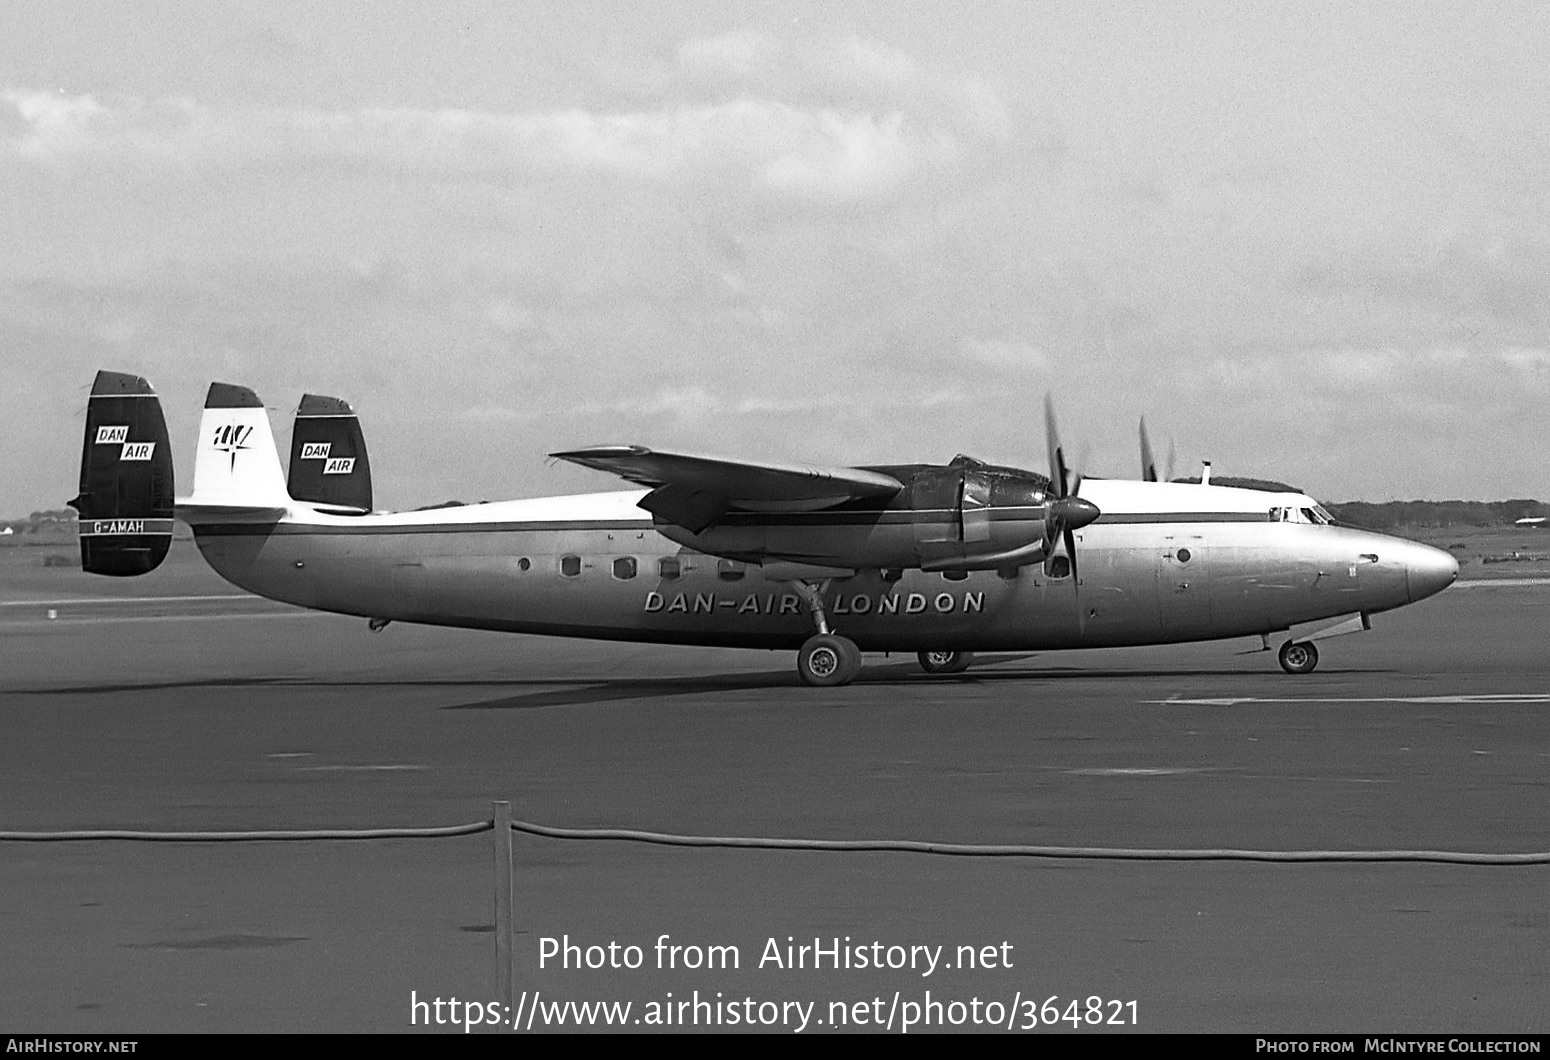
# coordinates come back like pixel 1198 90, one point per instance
pixel 693 491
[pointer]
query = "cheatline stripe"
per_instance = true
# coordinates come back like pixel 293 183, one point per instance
pixel 807 519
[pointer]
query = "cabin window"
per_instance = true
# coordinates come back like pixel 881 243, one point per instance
pixel 729 570
pixel 1059 567
pixel 955 575
pixel 524 563
pixel 1183 555
pixel 570 566
pixel 624 568
pixel 670 567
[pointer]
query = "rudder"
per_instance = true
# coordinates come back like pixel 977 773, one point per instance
pixel 126 498
pixel 329 464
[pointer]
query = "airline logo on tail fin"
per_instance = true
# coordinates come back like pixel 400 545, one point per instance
pixel 126 497
pixel 231 439
pixel 236 465
pixel 329 465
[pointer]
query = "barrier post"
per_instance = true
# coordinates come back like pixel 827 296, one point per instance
pixel 505 978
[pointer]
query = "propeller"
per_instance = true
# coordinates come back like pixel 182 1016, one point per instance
pixel 1149 462
pixel 1065 512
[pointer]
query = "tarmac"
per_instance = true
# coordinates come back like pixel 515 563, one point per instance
pixel 1431 732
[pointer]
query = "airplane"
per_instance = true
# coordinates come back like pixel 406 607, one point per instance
pixel 944 560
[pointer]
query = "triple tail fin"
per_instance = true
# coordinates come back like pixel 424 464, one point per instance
pixel 126 498
pixel 328 455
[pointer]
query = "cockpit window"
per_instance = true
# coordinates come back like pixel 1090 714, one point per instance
pixel 1316 515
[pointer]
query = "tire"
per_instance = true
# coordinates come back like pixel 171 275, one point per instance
pixel 1298 657
pixel 828 661
pixel 945 662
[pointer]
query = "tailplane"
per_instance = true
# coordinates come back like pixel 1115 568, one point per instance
pixel 126 498
pixel 329 465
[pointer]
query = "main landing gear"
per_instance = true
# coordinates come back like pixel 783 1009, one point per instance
pixel 827 659
pixel 1298 657
pixel 945 662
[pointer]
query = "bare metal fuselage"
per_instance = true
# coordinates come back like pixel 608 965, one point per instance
pixel 1145 578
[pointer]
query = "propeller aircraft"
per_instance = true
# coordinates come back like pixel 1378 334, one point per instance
pixel 940 559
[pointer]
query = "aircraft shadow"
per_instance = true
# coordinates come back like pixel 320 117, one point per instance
pixel 574 691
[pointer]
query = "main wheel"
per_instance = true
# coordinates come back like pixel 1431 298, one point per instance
pixel 828 660
pixel 1298 657
pixel 945 662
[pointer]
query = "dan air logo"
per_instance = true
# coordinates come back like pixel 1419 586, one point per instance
pixel 315 450
pixel 137 451
pixel 231 439
pixel 339 465
pixel 113 435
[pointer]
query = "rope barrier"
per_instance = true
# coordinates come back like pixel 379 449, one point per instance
pixel 904 846
pixel 248 837
pixel 992 850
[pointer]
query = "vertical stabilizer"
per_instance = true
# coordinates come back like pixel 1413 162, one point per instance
pixel 328 455
pixel 126 497
pixel 236 463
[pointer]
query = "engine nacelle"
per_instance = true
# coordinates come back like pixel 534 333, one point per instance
pixel 966 515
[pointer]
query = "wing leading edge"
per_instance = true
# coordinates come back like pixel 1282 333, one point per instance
pixel 693 491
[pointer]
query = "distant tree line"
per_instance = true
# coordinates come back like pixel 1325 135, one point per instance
pixel 54 519
pixel 1436 513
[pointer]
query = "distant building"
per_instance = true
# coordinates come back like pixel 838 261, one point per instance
pixel 1535 521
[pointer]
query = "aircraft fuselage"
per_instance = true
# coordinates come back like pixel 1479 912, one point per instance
pixel 595 566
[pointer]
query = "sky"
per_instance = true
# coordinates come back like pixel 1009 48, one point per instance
pixel 1307 241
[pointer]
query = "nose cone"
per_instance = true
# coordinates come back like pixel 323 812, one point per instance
pixel 1428 571
pixel 1073 512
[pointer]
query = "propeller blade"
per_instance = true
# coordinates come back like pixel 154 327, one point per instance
pixel 1148 462
pixel 1057 456
pixel 1173 458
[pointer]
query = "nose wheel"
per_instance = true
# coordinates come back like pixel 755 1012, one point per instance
pixel 828 660
pixel 1298 657
pixel 945 662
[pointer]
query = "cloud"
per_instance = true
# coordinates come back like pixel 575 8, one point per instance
pixel 1006 354
pixel 855 147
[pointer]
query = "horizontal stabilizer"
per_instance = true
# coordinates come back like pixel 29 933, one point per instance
pixel 125 503
pixel 329 465
pixel 196 514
